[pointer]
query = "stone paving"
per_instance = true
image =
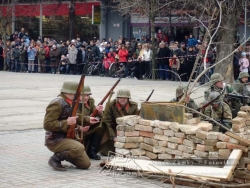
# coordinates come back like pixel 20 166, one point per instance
pixel 23 156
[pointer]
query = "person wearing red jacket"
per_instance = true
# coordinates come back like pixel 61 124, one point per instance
pixel 111 55
pixel 123 55
pixel 47 56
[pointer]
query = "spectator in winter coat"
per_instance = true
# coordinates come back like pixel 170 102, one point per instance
pixel 123 54
pixel 146 58
pixel 15 53
pixel 54 59
pixel 163 61
pixel 31 58
pixel 22 57
pixel 72 58
pixel 106 64
pixel 41 59
pixel 175 66
pixel 191 41
pixel 243 62
pixel 64 65
pixel 190 60
pixel 111 55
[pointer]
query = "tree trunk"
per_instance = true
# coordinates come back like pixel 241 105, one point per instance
pixel 226 38
pixel 72 17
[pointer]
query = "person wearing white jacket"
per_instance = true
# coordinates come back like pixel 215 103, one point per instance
pixel 146 58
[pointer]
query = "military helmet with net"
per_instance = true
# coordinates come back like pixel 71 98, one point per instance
pixel 243 75
pixel 216 77
pixel 123 93
pixel 69 87
pixel 86 90
pixel 180 91
pixel 214 95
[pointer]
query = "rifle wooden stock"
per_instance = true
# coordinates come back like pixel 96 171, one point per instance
pixel 146 100
pixel 207 104
pixel 94 113
pixel 76 100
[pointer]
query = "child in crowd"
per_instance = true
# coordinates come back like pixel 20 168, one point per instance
pixel 174 63
pixel 106 64
pixel 243 62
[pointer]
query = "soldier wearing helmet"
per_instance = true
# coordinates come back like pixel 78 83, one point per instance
pixel 56 122
pixel 91 140
pixel 224 89
pixel 119 107
pixel 216 81
pixel 180 91
pixel 219 111
pixel 240 84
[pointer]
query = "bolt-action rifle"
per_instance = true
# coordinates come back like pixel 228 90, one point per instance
pixel 146 100
pixel 94 113
pixel 75 104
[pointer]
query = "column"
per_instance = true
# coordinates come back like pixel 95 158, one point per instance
pixel 41 20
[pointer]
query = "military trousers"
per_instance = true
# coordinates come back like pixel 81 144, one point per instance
pixel 76 152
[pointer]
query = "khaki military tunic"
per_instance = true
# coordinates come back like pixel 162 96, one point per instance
pixel 113 111
pixel 55 124
pixel 89 108
pixel 240 88
pixel 223 112
pixel 228 89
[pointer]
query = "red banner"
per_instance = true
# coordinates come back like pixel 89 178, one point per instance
pixel 59 9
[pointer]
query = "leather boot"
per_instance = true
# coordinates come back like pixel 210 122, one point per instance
pixel 55 163
pixel 93 147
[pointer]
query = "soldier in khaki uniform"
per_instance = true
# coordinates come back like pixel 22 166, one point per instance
pixel 56 122
pixel 217 85
pixel 119 107
pixel 180 90
pixel 92 139
pixel 219 111
pixel 240 84
pixel 216 80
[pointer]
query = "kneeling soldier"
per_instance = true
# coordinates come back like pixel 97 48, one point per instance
pixel 119 107
pixel 180 91
pixel 56 122
pixel 219 111
pixel 92 138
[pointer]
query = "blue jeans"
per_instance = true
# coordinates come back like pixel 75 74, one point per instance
pixel 164 73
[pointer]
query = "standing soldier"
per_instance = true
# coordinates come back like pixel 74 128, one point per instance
pixel 56 122
pixel 91 140
pixel 219 111
pixel 180 90
pixel 119 107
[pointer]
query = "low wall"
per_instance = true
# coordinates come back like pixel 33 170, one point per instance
pixel 163 140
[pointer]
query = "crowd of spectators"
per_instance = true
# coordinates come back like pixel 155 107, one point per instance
pixel 174 60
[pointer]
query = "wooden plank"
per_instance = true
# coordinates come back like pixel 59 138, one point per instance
pixel 181 170
pixel 233 161
pixel 245 141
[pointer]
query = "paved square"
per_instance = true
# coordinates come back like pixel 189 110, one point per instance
pixel 23 158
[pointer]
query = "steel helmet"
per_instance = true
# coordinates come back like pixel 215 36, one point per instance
pixel 123 93
pixel 214 95
pixel 180 91
pixel 87 90
pixel 69 87
pixel 216 77
pixel 243 75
